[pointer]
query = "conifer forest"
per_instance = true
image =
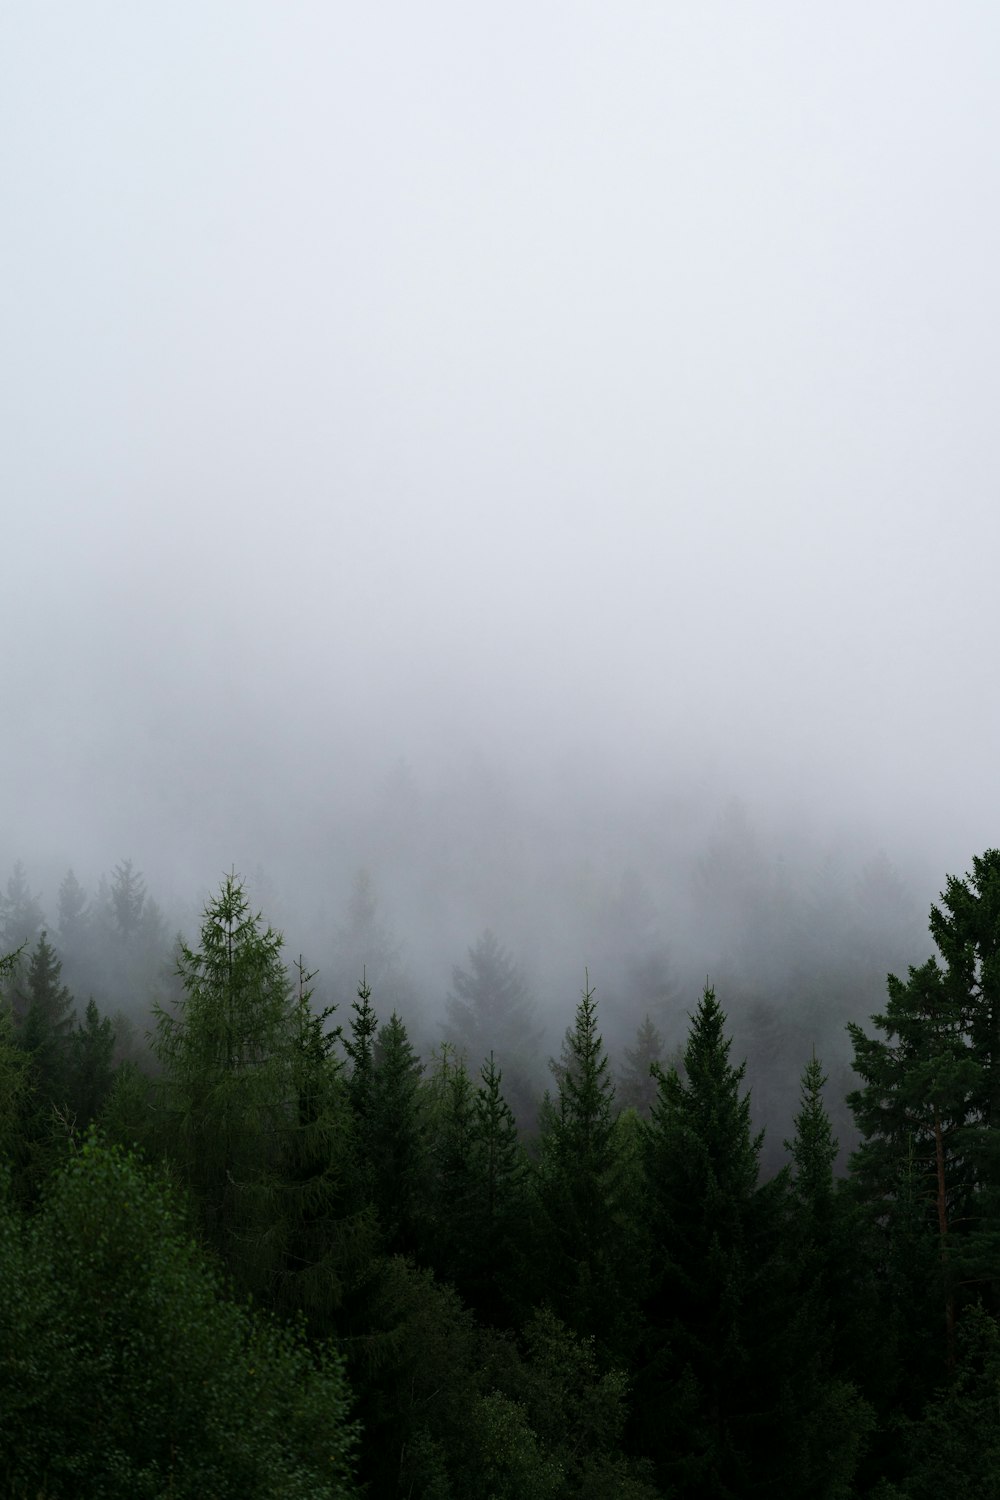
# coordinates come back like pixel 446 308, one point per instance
pixel 267 1247
pixel 499 814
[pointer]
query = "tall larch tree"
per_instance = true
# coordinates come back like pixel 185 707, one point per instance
pixel 227 1087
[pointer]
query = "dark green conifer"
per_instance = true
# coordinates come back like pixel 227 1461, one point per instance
pixel 709 1386
pixel 91 1065
pixel 498 1277
pixel 578 1185
pixel 916 1111
pixel 227 1087
pixel 396 1142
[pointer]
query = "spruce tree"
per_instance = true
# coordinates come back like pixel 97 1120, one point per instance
pixel 477 1201
pixel 91 1066
pixel 360 1049
pixel 709 1384
pixel 814 1148
pixel 327 1232
pixel 449 1208
pixel 577 1182
pixel 396 1141
pixel 46 1007
pixel 966 929
pixel 227 1087
pixel 916 1112
pixel 831 1312
pixel 497 1273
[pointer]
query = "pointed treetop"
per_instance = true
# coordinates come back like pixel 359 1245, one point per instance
pixel 813 1147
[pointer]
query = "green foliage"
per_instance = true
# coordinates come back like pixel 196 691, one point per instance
pixel 578 1411
pixel 477 1198
pixel 511 1462
pixel 396 1140
pixel 15 1085
pixel 954 1449
pixel 46 1020
pixel 360 1049
pixel 321 1222
pixel 915 1166
pixel 91 1069
pixel 125 1373
pixel 44 1016
pixel 228 1089
pixel 813 1149
pixel 578 1180
pixel 966 929
pixel 500 1202
pixel 449 1208
pixel 127 1116
pixel 414 1364
pixel 735 1397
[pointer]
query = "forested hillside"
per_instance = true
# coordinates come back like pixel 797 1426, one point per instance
pixel 254 1243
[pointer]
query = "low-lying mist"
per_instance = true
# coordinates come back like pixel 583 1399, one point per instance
pixel 647 895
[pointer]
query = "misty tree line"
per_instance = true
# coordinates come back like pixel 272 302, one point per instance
pixel 283 1253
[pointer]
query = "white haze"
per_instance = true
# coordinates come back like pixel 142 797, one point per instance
pixel 513 432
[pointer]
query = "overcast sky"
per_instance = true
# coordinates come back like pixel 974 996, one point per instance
pixel 396 381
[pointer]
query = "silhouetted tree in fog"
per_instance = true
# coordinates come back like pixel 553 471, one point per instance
pixel 490 1010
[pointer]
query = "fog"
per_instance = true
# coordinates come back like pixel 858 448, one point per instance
pixel 542 456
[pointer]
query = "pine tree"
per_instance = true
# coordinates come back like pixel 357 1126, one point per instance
pixel 228 1087
pixel 91 1066
pixel 577 1184
pixel 15 1085
pixel 497 1273
pixel 966 929
pixel 448 1106
pixel 326 1231
pixel 953 1448
pixel 916 1114
pixel 43 1016
pixel 360 1049
pixel 709 1386
pixel 395 1141
pixel 928 1109
pixel 813 1149
pixel 831 1313
pixel 46 1009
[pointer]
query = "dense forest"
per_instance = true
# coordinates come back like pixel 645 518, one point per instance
pixel 253 1243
